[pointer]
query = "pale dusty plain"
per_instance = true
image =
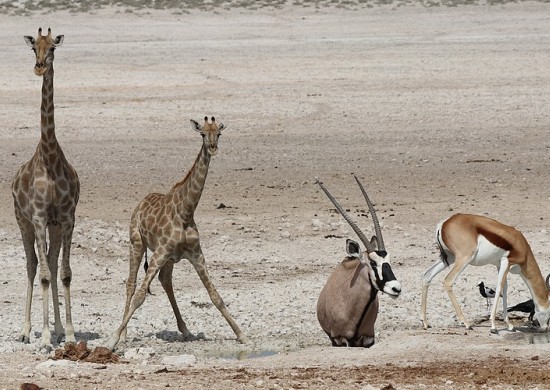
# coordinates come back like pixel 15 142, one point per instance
pixel 437 110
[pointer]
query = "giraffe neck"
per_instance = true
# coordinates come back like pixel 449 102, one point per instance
pixel 48 142
pixel 187 193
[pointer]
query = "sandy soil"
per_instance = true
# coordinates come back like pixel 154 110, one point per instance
pixel 437 110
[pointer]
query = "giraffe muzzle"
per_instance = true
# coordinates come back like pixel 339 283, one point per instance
pixel 40 68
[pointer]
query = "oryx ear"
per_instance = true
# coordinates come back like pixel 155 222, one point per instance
pixel 353 249
pixel 195 126
pixel 58 41
pixel 29 40
pixel 221 127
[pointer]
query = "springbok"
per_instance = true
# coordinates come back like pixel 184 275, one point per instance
pixel 348 304
pixel 465 239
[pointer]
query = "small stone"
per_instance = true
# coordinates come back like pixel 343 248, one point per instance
pixel 179 361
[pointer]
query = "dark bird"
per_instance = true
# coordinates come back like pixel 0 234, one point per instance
pixel 486 292
pixel 525 307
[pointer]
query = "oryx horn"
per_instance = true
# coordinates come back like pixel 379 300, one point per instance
pixel 348 219
pixel 377 230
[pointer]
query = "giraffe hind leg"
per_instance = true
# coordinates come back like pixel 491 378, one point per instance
pixel 137 250
pixel 66 279
pixel 28 238
pixel 158 260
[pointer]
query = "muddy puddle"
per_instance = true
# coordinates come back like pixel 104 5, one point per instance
pixel 529 337
pixel 242 355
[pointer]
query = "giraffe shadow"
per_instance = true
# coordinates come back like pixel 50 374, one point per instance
pixel 87 336
pixel 172 336
pixel 79 336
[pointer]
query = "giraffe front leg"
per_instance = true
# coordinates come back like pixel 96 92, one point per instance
pixel 45 280
pixel 165 277
pixel 200 267
pixel 53 255
pixel 24 337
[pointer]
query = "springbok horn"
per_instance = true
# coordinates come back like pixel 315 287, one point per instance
pixel 348 219
pixel 377 230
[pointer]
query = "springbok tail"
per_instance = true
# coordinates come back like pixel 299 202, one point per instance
pixel 442 253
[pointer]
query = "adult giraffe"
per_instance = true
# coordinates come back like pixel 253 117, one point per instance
pixel 45 192
pixel 165 224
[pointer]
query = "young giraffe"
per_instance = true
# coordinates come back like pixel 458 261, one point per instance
pixel 165 224
pixel 45 192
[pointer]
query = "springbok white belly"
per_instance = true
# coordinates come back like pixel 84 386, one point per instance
pixel 488 253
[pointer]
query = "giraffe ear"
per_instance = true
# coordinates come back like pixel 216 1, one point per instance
pixel 221 127
pixel 29 40
pixel 195 126
pixel 58 41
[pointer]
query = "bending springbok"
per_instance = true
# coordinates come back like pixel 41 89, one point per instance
pixel 476 240
pixel 348 304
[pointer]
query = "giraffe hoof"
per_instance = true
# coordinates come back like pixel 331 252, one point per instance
pixel 46 348
pixel 243 339
pixel 24 339
pixel 494 331
pixel 189 337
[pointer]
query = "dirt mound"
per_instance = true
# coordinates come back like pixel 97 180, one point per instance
pixel 29 386
pixel 80 352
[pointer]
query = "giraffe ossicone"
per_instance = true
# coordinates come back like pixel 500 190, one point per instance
pixel 165 224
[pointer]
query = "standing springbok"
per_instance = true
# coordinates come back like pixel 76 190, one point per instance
pixel 348 304
pixel 465 239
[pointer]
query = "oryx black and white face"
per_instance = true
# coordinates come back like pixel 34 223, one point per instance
pixel 383 274
pixel 375 257
pixel 379 267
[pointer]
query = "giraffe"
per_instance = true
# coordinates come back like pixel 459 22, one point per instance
pixel 165 224
pixel 45 192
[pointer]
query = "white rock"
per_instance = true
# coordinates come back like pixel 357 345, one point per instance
pixel 179 360
pixel 49 364
pixel 139 353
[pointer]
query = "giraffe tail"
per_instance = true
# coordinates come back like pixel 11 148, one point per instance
pixel 145 267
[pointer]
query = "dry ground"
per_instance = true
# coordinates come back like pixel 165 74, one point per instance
pixel 438 110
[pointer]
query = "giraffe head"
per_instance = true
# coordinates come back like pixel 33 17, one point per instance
pixel 210 134
pixel 43 47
